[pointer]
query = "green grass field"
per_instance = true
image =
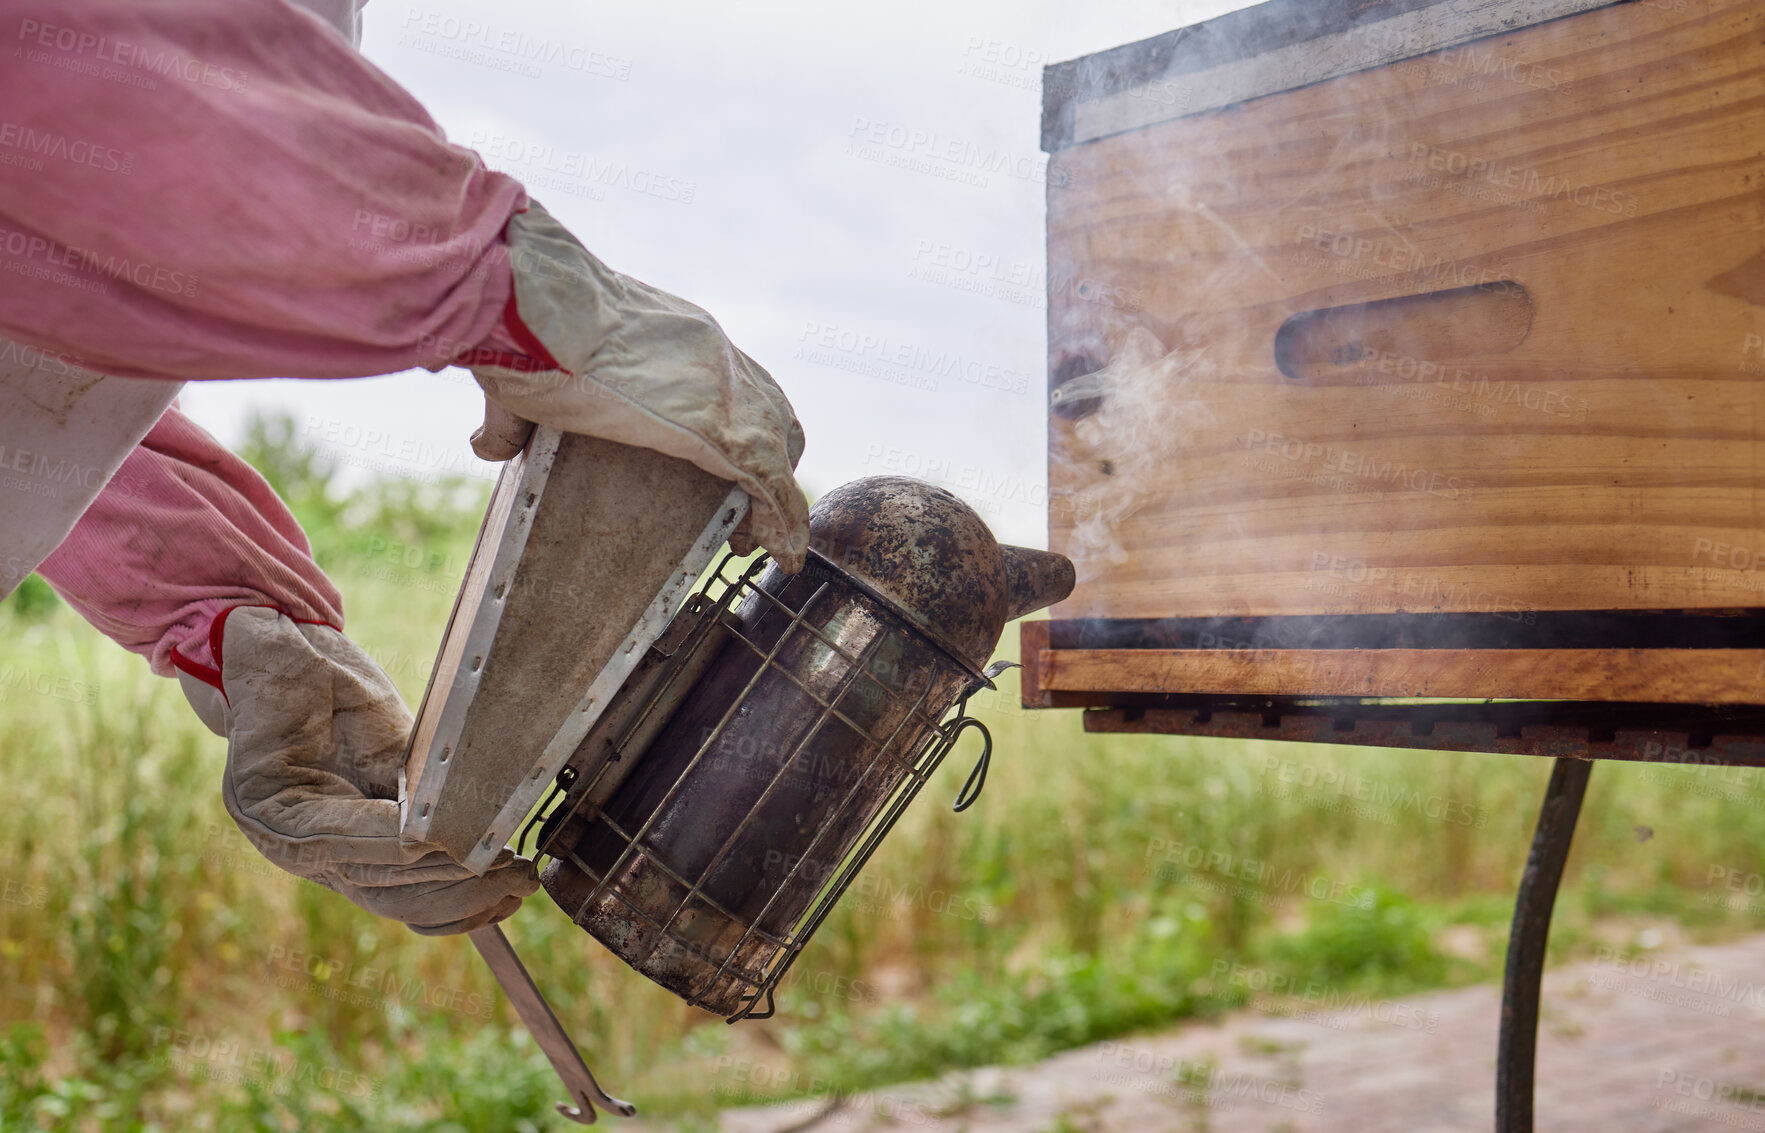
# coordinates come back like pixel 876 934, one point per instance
pixel 155 974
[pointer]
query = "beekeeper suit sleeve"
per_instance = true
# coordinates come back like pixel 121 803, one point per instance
pixel 263 202
pixel 189 558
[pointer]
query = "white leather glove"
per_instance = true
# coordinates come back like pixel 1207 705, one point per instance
pixel 315 736
pixel 644 368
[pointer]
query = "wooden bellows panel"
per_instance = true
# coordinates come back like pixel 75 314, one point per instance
pixel 587 549
pixel 1478 331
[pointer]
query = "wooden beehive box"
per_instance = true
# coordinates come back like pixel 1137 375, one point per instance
pixel 1411 348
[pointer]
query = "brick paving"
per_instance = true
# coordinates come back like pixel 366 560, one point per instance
pixel 1669 1040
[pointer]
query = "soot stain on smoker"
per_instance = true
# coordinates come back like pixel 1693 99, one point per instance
pixel 923 550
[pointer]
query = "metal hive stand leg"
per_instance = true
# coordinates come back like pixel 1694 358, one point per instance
pixel 1518 1048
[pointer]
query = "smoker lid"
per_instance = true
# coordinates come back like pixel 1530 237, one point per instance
pixel 930 556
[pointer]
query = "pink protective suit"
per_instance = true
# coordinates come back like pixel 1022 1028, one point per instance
pixel 196 189
pixel 183 531
pixel 227 189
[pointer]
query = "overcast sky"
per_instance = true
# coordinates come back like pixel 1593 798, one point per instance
pixel 856 194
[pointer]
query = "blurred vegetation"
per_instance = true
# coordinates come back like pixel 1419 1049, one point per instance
pixel 155 974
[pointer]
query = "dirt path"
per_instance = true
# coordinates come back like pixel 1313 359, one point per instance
pixel 1667 1040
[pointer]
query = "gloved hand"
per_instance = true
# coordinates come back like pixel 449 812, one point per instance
pixel 315 736
pixel 642 367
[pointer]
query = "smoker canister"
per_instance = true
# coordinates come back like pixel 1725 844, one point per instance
pixel 813 724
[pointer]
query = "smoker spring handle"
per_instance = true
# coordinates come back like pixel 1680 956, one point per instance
pixel 977 778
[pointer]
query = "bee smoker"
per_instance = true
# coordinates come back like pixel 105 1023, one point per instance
pixel 755 759
pixel 723 758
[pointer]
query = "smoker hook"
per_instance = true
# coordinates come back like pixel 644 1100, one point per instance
pixel 977 778
pixel 566 780
pixel 751 1002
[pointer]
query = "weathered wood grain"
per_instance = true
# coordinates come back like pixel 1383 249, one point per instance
pixel 1671 676
pixel 1441 454
pixel 1032 641
pixel 1273 46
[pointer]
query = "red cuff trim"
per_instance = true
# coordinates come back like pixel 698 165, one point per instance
pixel 217 632
pixel 525 338
pixel 202 673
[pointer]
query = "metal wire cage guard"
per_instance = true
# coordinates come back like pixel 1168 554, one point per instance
pixel 743 777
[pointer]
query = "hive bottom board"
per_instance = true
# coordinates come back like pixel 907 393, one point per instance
pixel 1664 658
pixel 1666 704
